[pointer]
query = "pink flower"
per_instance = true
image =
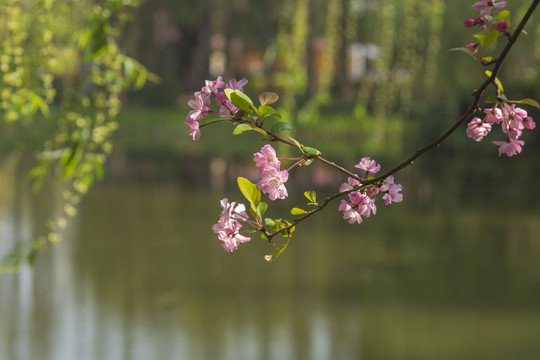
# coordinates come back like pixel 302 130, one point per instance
pixel 529 123
pixel 226 108
pixel 510 148
pixel 514 117
pixel 494 116
pixel 230 237
pixel 195 133
pixel 349 185
pixel 361 204
pixel 513 134
pixel 369 165
pixel 479 21
pixel 477 129
pixel 199 112
pixel 212 86
pixel 228 226
pixel 200 103
pixel 485 6
pixel 473 47
pixel 349 212
pixel 266 158
pixel 231 212
pixel 273 180
pixel 391 191
pixel 469 23
pixel 273 183
pixel 199 106
pixel 501 26
pixel 237 85
pixel 364 203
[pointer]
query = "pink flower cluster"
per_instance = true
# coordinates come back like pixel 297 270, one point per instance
pixel 362 202
pixel 201 104
pixel 273 179
pixel 513 121
pixel 228 226
pixel 485 19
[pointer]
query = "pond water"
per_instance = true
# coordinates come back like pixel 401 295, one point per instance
pixel 140 275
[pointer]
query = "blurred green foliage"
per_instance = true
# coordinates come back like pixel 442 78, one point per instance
pixel 304 49
pixel 61 64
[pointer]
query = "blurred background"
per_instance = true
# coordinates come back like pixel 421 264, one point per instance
pixel 118 228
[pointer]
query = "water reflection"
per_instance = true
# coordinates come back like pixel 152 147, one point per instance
pixel 140 276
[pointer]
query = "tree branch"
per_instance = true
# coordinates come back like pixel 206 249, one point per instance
pixel 473 107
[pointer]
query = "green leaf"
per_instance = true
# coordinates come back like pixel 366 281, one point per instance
pixel 311 196
pixel 141 78
pixel 239 99
pixel 84 38
pixel 136 74
pixel 296 142
pixel 267 98
pixel 71 158
pixel 239 129
pixel 261 208
pixel 526 101
pixel 265 111
pixel 269 222
pixel 259 130
pixel 465 50
pixel 39 102
pixel 242 128
pixel 497 81
pixel 99 41
pixel 250 192
pixel 311 151
pixel 37 175
pixel 282 126
pixel 488 38
pixel 298 211
pixel 481 38
pixel 275 253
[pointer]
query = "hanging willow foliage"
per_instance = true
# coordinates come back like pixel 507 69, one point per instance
pixel 434 12
pixel 327 71
pixel 408 59
pixel 49 70
pixel 406 34
pixel 408 38
pixel 292 39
